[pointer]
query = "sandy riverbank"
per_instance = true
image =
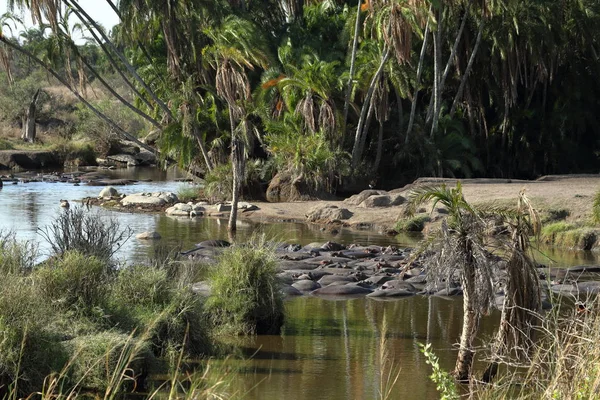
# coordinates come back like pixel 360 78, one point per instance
pixel 571 193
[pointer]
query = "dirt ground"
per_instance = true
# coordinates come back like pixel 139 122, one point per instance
pixel 571 193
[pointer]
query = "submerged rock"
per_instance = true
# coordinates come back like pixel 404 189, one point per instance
pixel 151 235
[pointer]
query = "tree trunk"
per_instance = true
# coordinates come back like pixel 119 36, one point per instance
pixel 437 75
pixel 413 107
pixel 238 164
pixel 468 69
pixel 352 64
pixel 379 148
pixel 464 360
pixel 365 107
pixel 29 123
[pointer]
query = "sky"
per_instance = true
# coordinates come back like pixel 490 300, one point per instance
pixel 97 9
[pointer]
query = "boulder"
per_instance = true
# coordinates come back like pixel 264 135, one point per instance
pixel 108 193
pixel 180 210
pixel 127 159
pixel 329 279
pixel 362 196
pixel 151 235
pixel 328 213
pixel 145 158
pixel 284 188
pixel 149 199
pixel 288 290
pixel 397 199
pixel 382 200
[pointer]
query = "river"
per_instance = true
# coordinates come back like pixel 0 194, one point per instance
pixel 328 349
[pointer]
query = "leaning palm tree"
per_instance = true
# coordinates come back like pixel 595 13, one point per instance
pixel 460 256
pixel 522 290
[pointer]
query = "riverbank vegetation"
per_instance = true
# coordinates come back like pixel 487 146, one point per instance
pixel 80 323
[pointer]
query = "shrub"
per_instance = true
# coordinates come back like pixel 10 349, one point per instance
pixel 75 280
pixel 245 295
pixel 188 193
pixel 413 224
pixel 218 183
pixel 87 233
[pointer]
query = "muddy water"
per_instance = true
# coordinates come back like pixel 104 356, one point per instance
pixel 328 349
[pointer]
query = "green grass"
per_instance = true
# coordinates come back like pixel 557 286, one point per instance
pixel 245 295
pixel 188 193
pixel 571 236
pixel 413 224
pixel 6 145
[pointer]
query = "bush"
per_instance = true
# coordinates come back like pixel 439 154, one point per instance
pixel 188 193
pixel 413 224
pixel 218 183
pixel 87 233
pixel 75 280
pixel 245 295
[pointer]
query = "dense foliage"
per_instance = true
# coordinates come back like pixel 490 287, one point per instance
pixel 338 92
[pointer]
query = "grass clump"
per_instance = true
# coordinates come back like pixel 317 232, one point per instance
pixel 563 234
pixel 596 208
pixel 188 193
pixel 5 145
pixel 16 257
pixel 413 224
pixel 245 295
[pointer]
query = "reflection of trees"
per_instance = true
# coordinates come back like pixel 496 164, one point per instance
pixel 32 209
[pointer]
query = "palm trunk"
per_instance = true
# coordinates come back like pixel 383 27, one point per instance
pixel 238 163
pixel 200 141
pixel 413 107
pixel 365 107
pixel 455 47
pixel 437 61
pixel 379 148
pixel 464 360
pixel 29 124
pixel 461 88
pixel 352 64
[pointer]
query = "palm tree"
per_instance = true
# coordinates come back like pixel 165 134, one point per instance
pixel 461 250
pixel 522 291
pixel 238 47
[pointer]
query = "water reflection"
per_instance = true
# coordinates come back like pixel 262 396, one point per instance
pixel 331 349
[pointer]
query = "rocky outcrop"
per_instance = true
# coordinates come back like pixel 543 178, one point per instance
pixel 186 210
pixel 328 213
pixel 375 198
pixel 20 159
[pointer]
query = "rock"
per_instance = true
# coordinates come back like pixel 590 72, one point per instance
pixel 328 213
pixel 149 199
pixel 22 159
pixel 397 199
pixel 127 159
pixel 284 188
pixel 179 210
pixel 111 182
pixel 376 201
pixel 214 243
pixel 362 196
pixel 397 285
pixel 123 147
pixel 245 206
pixel 145 158
pixel 108 193
pixel 148 236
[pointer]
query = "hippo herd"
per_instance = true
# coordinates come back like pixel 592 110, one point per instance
pixel 336 271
